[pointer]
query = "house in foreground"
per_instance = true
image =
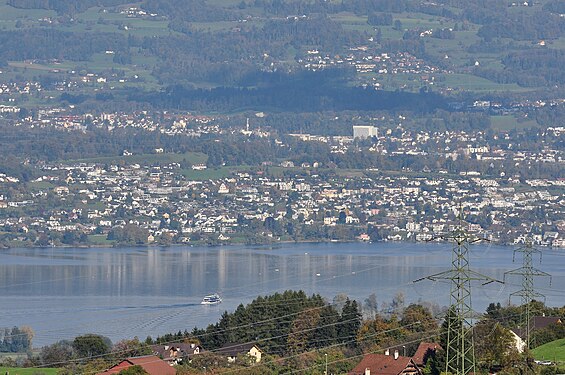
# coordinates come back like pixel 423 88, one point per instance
pixel 153 365
pixel 425 350
pixel 385 364
pixel 176 353
pixel 231 351
pixel 536 323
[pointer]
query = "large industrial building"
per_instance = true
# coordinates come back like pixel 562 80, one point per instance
pixel 364 131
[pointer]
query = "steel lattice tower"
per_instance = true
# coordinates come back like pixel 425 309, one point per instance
pixel 460 351
pixel 527 293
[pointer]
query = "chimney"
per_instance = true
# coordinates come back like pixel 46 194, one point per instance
pixel 396 354
pixel 387 352
pixel 367 371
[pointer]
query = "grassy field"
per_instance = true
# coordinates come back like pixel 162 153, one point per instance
pixel 10 13
pixel 455 49
pixel 99 240
pixel 509 123
pixel 28 371
pixel 40 185
pixel 92 20
pixel 351 21
pixel 470 82
pixel 419 21
pixel 96 19
pixel 552 351
pixel 208 174
pixel 141 66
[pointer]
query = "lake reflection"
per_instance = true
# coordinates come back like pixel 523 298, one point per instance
pixel 128 292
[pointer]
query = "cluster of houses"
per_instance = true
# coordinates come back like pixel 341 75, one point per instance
pixel 165 356
pixel 163 200
pixel 8 90
pixel 135 12
pixel 172 124
pixel 391 362
pixel 367 59
pixel 503 203
pixel 396 364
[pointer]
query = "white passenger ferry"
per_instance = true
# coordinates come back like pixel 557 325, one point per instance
pixel 212 299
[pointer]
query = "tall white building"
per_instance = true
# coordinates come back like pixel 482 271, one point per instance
pixel 364 131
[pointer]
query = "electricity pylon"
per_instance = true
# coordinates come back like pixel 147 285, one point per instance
pixel 527 293
pixel 460 350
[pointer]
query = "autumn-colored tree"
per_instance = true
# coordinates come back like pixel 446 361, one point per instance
pixel 134 370
pixel 56 354
pixel 378 333
pixel 416 318
pixel 494 345
pixel 130 348
pixel 302 330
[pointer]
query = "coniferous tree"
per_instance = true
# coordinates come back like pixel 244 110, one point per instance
pixel 349 323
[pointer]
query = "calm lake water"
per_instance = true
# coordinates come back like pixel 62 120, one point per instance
pixel 126 292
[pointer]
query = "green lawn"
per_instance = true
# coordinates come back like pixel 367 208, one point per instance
pixel 99 240
pixel 419 21
pixel 27 371
pixel 552 351
pixel 470 82
pixel 509 123
pixel 99 62
pixel 40 185
pixel 352 21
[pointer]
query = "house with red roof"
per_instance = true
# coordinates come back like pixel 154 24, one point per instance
pixel 176 353
pixel 150 363
pixel 384 364
pixel 425 349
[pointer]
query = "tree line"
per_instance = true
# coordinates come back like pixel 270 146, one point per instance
pixel 310 324
pixel 68 7
pixel 304 93
pixel 296 332
pixel 16 339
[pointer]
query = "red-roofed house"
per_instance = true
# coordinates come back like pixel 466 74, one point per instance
pixel 174 354
pixel 423 351
pixel 150 363
pixel 383 364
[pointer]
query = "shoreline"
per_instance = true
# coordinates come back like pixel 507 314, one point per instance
pixel 229 244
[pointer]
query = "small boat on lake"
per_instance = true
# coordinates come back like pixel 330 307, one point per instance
pixel 212 299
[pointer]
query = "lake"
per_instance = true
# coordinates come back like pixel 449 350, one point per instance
pixel 126 292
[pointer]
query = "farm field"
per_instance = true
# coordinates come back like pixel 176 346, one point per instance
pixel 552 351
pixel 509 122
pixel 27 371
